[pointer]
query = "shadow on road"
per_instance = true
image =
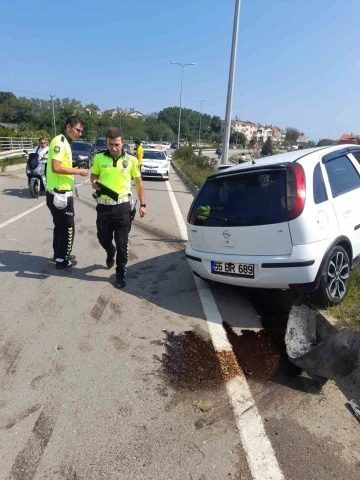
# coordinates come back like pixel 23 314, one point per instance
pixel 18 192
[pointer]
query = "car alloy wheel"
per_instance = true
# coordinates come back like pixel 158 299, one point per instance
pixel 338 274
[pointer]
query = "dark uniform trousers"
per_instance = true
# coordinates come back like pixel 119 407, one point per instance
pixel 64 226
pixel 113 222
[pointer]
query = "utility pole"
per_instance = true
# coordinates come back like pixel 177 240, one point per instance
pixel 181 87
pixel 227 130
pixel 53 115
pixel 201 103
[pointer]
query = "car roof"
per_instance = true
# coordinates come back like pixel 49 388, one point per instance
pixel 285 158
pixel 81 141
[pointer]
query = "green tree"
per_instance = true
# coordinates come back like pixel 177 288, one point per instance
pixel 215 124
pixel 238 138
pixel 324 142
pixel 292 134
pixel 267 148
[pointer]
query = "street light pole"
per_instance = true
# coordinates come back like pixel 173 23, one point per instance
pixel 226 138
pixel 53 114
pixel 201 103
pixel 181 84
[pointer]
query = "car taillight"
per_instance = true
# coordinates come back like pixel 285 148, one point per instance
pixel 295 191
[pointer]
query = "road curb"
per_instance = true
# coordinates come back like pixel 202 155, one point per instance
pixel 12 168
pixel 193 188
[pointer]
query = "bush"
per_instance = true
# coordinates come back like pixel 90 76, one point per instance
pixel 196 166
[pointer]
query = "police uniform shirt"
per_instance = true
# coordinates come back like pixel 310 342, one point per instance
pixel 116 178
pixel 59 149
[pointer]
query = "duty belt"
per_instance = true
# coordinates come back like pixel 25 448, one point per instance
pixel 68 193
pixel 103 201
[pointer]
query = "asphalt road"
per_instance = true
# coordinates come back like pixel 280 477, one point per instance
pixel 98 383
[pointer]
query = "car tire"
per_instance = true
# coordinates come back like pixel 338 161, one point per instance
pixel 335 278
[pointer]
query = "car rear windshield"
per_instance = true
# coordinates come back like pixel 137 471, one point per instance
pixel 240 200
pixel 80 146
pixel 153 155
pixel 101 144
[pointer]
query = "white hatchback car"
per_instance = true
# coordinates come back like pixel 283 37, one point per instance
pixel 156 163
pixel 290 221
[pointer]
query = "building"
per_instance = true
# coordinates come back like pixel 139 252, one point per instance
pixel 113 112
pixel 349 138
pixel 246 127
pixel 302 139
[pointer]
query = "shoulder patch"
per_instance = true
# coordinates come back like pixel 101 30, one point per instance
pixel 62 138
pixel 56 149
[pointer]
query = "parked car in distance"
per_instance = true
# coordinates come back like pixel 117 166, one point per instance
pixel 290 221
pixel 156 163
pixel 174 145
pixel 82 154
pixel 100 144
pixel 126 148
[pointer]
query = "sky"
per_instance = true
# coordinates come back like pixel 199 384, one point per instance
pixel 297 65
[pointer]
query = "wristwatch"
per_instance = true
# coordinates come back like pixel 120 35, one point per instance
pixel 143 205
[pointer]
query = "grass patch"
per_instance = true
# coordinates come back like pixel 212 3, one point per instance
pixel 11 161
pixel 196 166
pixel 348 312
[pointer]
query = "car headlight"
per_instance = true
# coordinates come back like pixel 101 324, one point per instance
pixel 83 157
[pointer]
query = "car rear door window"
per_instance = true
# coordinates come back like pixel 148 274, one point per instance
pixel 246 199
pixel 319 189
pixel 357 155
pixel 343 176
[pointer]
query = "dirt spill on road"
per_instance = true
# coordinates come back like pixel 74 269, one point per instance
pixel 262 354
pixel 191 363
pixel 257 353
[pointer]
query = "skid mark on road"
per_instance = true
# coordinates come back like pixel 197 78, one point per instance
pixel 19 417
pixel 27 461
pixel 99 307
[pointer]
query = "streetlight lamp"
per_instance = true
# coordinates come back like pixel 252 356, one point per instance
pixel 229 100
pixel 181 83
pixel 201 102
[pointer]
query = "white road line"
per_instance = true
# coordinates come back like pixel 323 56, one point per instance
pixel 17 217
pixel 258 449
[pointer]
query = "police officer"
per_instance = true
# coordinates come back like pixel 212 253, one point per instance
pixel 139 152
pixel 59 195
pixel 115 169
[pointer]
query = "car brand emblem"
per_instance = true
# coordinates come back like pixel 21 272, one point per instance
pixel 226 234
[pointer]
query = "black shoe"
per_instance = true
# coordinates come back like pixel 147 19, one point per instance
pixel 110 259
pixel 70 257
pixel 65 264
pixel 120 281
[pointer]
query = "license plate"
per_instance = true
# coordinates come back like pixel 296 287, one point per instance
pixel 245 270
pixel 150 171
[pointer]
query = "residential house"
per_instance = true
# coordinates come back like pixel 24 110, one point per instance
pixel 263 133
pixel 246 127
pixel 349 138
pixel 302 139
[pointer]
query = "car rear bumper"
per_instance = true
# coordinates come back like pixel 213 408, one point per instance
pixel 283 272
pixel 159 172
